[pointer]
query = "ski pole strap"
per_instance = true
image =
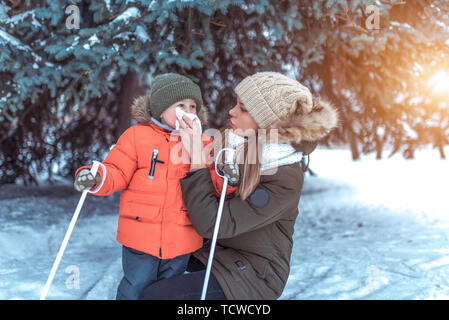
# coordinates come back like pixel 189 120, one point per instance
pixel 229 159
pixel 94 170
pixel 304 166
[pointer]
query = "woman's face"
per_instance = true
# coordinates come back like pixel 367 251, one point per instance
pixel 241 122
pixel 168 117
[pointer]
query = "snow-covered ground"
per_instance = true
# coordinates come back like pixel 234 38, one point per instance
pixel 366 230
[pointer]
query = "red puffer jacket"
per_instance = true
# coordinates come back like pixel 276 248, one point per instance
pixel 152 215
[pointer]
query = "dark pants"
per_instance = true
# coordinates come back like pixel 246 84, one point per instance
pixel 186 286
pixel 141 270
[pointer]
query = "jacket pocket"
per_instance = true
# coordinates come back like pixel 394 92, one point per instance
pixel 264 272
pixel 143 212
pixel 259 265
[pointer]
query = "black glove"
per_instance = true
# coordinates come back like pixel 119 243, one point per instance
pixel 84 180
pixel 231 171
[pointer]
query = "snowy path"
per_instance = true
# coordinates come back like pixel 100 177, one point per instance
pixel 366 230
pixel 31 230
pixel 372 230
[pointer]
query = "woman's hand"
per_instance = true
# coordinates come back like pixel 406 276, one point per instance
pixel 231 171
pixel 192 142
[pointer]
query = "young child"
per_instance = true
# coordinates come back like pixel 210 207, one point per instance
pixel 153 227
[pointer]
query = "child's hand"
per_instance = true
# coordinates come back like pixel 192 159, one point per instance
pixel 192 142
pixel 186 133
pixel 187 123
pixel 84 180
pixel 231 171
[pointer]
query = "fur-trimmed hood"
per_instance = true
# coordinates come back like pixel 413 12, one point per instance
pixel 140 110
pixel 302 126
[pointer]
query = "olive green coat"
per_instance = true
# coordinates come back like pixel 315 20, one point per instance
pixel 252 257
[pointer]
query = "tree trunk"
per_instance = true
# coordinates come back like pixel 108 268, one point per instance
pixel 353 144
pixel 379 148
pixel 441 150
pixel 131 88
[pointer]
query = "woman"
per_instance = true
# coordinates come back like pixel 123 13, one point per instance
pixel 252 257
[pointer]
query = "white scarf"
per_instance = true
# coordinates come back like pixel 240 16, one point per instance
pixel 273 154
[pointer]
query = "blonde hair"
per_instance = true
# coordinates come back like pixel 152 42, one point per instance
pixel 248 160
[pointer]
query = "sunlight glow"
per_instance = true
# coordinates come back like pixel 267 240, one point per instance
pixel 440 82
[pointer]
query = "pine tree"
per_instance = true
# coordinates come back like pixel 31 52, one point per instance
pixel 66 85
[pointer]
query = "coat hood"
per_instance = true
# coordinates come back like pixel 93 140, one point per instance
pixel 140 110
pixel 303 129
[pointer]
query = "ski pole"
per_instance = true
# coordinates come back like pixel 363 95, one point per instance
pixel 93 170
pixel 229 158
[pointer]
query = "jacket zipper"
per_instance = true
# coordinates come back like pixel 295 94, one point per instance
pixel 163 206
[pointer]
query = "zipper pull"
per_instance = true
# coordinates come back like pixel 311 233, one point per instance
pixel 153 163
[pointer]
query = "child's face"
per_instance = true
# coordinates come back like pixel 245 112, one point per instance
pixel 168 117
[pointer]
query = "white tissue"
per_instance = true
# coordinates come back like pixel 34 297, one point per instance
pixel 180 113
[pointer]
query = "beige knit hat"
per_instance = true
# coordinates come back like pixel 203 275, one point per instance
pixel 270 97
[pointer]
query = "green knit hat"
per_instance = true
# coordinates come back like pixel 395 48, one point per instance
pixel 168 88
